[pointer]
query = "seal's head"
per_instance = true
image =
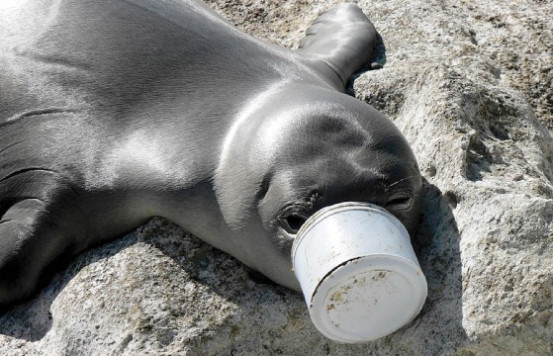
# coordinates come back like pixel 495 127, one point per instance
pixel 300 153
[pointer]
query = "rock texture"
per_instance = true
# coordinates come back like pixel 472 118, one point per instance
pixel 470 85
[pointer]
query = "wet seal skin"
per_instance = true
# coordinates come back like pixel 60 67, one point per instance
pixel 115 111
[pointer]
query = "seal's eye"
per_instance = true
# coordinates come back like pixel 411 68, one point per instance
pixel 401 202
pixel 292 222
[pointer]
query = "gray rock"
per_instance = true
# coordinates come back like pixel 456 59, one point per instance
pixel 469 83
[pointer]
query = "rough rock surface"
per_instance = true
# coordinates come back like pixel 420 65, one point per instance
pixel 470 84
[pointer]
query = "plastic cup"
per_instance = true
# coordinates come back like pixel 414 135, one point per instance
pixel 358 272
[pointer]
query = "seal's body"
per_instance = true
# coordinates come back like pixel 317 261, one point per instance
pixel 112 112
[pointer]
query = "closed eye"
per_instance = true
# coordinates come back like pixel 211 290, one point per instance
pixel 400 202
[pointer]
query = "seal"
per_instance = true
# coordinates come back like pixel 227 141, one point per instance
pixel 115 111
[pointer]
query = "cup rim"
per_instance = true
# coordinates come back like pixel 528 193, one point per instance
pixel 335 209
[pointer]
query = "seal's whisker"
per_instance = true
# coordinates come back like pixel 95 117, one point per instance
pixel 399 181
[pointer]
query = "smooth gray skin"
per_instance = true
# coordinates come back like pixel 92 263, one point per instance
pixel 114 111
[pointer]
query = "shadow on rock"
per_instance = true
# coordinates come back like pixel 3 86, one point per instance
pixel 440 257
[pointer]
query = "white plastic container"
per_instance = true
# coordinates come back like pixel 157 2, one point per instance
pixel 358 272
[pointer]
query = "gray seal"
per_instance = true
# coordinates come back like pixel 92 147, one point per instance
pixel 115 111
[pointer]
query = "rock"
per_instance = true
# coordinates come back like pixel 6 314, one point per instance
pixel 469 84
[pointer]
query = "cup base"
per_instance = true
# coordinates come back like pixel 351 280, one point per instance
pixel 368 298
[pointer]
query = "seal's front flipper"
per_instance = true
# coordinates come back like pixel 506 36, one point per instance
pixel 342 38
pixel 31 233
pixel 16 229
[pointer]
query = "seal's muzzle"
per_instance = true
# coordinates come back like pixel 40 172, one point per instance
pixel 358 272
